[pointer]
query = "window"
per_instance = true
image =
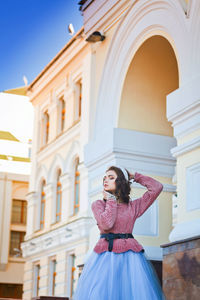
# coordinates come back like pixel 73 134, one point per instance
pixel 70 274
pixel 19 212
pixel 16 238
pixel 36 279
pixel 72 257
pixel 76 187
pixel 61 114
pixel 58 197
pixel 42 205
pixel 78 101
pixel 52 282
pixel 45 128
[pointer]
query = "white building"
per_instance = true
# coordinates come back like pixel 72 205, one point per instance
pixel 130 99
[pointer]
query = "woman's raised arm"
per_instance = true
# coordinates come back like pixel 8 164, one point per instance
pixel 154 187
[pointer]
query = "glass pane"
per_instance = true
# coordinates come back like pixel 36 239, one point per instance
pixel 16 211
pixel 77 194
pixel 42 211
pixel 19 212
pixel 16 238
pixel 24 212
pixel 58 204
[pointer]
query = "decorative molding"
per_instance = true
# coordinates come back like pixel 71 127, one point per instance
pixel 106 12
pixel 71 232
pixel 183 108
pixel 186 147
pixel 57 143
pixel 32 198
pixel 142 21
pixel 144 152
pixel 14 176
pixel 56 65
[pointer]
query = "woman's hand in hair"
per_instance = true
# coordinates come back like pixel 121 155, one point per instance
pixel 131 175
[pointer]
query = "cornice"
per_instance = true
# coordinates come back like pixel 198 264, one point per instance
pixel 58 237
pixel 186 147
pixel 147 152
pixel 55 68
pixel 59 142
pixel 59 54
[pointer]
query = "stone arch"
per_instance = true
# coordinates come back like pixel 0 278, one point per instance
pixel 72 154
pixel 57 163
pixel 142 21
pixel 41 175
pixel 151 76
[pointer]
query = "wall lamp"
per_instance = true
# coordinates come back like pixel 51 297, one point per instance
pixel 96 36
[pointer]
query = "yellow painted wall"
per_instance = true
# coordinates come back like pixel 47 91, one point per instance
pixel 164 219
pixel 151 76
pixel 188 137
pixel 187 160
pixel 14 270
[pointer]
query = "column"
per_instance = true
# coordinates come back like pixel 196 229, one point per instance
pixel 183 110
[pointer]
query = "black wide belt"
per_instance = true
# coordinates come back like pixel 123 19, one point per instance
pixel 111 236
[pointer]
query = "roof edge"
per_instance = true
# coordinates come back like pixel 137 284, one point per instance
pixel 58 55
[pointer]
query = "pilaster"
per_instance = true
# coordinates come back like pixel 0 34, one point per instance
pixel 183 110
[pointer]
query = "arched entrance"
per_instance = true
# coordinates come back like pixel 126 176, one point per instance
pixel 151 76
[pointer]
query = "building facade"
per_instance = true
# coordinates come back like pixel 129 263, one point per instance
pixel 131 99
pixel 14 180
pixel 58 218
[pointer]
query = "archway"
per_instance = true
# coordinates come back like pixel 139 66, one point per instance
pixel 151 76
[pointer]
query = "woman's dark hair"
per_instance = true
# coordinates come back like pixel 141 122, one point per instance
pixel 123 187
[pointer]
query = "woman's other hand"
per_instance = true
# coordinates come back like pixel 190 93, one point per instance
pixel 107 196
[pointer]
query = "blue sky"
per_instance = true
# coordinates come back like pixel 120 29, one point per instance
pixel 32 32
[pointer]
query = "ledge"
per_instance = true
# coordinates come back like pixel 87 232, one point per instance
pixel 182 245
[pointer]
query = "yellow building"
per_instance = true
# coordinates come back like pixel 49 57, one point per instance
pixel 14 177
pixel 123 91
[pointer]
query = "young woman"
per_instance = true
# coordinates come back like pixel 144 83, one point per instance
pixel 117 269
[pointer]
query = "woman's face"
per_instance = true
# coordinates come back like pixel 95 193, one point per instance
pixel 109 181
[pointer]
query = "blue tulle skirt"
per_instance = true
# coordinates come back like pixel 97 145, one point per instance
pixel 118 276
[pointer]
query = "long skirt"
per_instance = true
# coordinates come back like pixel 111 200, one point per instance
pixel 118 276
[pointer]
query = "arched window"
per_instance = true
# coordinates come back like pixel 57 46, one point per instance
pixel 62 114
pixel 78 100
pixel 61 111
pixel 76 187
pixel 45 128
pixel 42 204
pixel 58 197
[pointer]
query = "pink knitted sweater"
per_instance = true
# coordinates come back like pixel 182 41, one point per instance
pixel 120 217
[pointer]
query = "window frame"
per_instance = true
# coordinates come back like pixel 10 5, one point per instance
pixel 76 206
pixel 21 239
pixel 58 192
pixel 36 279
pixel 23 212
pixel 42 205
pixel 52 275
